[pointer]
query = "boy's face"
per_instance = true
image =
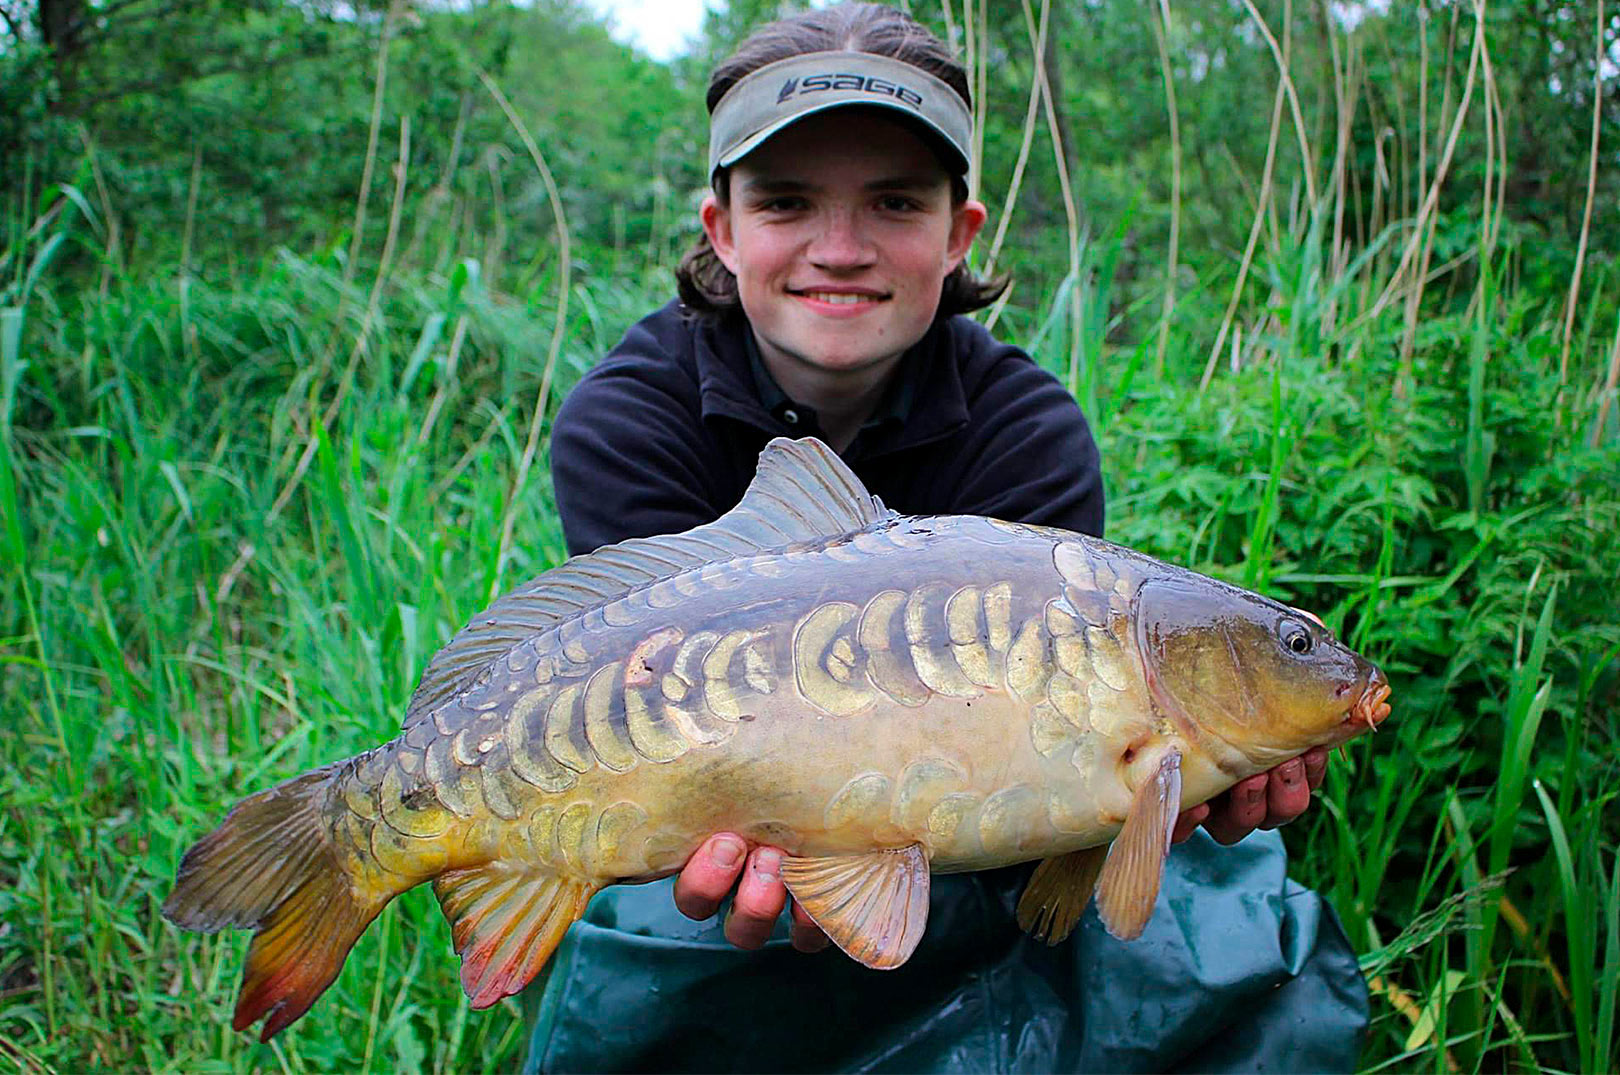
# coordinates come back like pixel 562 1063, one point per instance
pixel 840 231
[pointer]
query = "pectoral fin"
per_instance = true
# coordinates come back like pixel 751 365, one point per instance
pixel 874 906
pixel 1058 892
pixel 1129 884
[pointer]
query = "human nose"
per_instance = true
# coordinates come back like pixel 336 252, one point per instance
pixel 841 243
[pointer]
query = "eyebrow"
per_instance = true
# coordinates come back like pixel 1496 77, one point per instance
pixel 906 182
pixel 774 186
pixel 768 185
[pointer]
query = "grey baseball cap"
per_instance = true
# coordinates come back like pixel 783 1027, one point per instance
pixel 780 94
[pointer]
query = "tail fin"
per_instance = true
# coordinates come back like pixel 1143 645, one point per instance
pixel 269 868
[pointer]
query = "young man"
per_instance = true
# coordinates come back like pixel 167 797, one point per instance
pixel 825 300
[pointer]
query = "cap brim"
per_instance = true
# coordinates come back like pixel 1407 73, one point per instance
pixel 954 159
pixel 767 101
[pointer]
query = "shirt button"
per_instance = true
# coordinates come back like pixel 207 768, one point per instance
pixel 790 416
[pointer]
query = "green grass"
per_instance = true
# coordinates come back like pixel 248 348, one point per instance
pixel 168 644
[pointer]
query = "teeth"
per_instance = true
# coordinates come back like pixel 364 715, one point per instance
pixel 838 298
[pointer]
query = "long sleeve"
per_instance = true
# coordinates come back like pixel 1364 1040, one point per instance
pixel 627 458
pixel 1032 459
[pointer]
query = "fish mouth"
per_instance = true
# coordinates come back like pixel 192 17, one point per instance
pixel 1372 708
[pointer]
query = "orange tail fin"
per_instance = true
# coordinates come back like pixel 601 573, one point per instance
pixel 269 868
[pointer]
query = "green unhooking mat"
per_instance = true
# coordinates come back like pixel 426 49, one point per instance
pixel 1240 969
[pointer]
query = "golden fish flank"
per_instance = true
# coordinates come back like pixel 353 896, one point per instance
pixel 882 697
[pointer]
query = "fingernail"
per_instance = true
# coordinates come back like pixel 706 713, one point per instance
pixel 767 865
pixel 1290 774
pixel 1254 795
pixel 726 853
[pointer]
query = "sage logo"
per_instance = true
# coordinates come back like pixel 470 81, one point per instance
pixel 864 83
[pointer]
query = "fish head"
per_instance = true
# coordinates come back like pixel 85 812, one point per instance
pixel 1265 678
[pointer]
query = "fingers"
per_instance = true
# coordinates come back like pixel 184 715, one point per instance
pixel 723 861
pixel 1316 760
pixel 1188 821
pixel 1287 793
pixel 1235 813
pixel 1265 801
pixel 807 936
pixel 759 900
pixel 709 874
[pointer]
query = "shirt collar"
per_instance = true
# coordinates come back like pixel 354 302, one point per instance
pixel 925 402
pixel 894 407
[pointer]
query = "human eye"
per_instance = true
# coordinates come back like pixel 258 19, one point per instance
pixel 782 203
pixel 899 203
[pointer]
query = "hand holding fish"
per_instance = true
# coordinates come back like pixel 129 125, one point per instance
pixel 1268 800
pixel 725 861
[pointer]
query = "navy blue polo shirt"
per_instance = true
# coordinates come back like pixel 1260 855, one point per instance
pixel 664 434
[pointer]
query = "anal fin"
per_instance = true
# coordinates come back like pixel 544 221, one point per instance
pixel 1129 885
pixel 874 905
pixel 505 921
pixel 1058 892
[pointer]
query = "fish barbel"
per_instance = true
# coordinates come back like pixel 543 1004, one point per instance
pixel 881 696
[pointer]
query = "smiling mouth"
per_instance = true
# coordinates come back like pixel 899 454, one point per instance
pixel 840 298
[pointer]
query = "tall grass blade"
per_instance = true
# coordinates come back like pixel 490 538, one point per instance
pixel 1476 456
pixel 1577 925
pixel 1603 1037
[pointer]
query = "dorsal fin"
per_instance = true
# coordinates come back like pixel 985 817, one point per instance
pixel 801 491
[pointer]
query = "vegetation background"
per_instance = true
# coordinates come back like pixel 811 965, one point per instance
pixel 290 288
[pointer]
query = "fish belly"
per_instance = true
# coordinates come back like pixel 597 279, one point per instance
pixel 962 778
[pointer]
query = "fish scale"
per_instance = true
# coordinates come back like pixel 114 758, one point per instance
pixel 946 652
pixel 882 697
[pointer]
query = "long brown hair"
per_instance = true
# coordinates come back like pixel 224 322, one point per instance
pixel 706 286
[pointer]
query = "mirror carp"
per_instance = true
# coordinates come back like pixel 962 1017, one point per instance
pixel 882 696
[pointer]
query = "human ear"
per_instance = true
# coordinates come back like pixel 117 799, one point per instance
pixel 967 220
pixel 717 226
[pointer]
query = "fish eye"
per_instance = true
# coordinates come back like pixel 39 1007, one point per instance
pixel 1295 636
